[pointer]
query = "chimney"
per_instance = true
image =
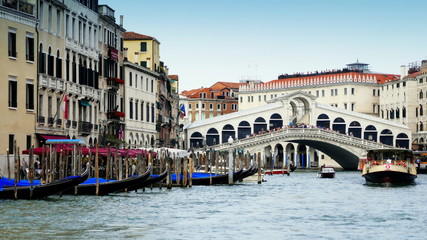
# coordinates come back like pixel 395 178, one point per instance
pixel 403 71
pixel 121 20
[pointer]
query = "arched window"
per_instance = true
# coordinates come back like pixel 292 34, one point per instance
pixel 58 65
pixel 421 110
pixel 421 94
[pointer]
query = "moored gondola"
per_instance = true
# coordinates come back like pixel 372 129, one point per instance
pixel 105 187
pixel 37 190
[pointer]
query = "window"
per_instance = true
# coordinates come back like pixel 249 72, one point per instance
pixel 249 99
pixel 317 93
pixel 352 91
pixel 218 107
pixel 29 102
pixel 197 106
pixel 373 108
pixel 203 106
pixel 143 46
pixel 142 111
pixel 152 113
pixel 210 106
pixel 12 43
pixel 131 109
pixel 323 93
pixel 152 85
pixel 130 79
pixel 241 99
pixel 345 106
pixel 336 92
pixel 352 107
pixel 148 112
pixel 28 141
pixel 345 91
pixel 143 64
pixel 421 94
pixel 11 143
pixel 224 106
pixel 189 106
pixel 332 92
pixel 136 109
pixel 373 92
pixel 13 94
pixel 259 98
pixel 29 50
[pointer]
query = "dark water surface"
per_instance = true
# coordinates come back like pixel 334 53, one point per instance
pixel 299 206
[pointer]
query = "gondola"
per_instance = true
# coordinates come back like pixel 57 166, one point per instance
pixel 37 190
pixel 150 181
pixel 105 187
pixel 205 178
pixel 246 173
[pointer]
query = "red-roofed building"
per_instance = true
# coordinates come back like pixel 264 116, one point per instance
pixel 203 103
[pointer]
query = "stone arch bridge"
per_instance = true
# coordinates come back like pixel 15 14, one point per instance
pixel 294 128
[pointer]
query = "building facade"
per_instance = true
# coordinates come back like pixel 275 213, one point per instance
pixel 204 103
pixel 140 101
pixel 18 71
pixel 144 50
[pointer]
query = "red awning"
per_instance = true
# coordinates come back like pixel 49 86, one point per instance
pixel 46 137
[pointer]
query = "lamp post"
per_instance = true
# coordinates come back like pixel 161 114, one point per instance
pixel 230 161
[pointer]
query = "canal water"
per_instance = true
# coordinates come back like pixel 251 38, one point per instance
pixel 299 206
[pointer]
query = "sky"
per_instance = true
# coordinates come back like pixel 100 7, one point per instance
pixel 207 41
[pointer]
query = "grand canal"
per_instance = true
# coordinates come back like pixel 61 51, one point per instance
pixel 299 206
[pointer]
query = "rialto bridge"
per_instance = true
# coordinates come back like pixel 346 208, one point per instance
pixel 294 128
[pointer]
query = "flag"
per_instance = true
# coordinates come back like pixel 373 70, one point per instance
pixel 121 132
pixel 65 107
pixel 182 111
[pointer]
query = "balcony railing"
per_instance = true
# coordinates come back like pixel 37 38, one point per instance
pixel 50 121
pixel 115 115
pixel 41 119
pixel 85 128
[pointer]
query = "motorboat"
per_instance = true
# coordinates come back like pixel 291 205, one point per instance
pixel 326 172
pixel 389 166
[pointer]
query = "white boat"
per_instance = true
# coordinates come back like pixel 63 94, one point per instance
pixel 326 172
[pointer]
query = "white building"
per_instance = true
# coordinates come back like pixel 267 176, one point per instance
pixel 140 99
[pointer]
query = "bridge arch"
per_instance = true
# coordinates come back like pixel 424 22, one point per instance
pixel 339 125
pixel 323 121
pixel 386 137
pixel 276 121
pixel 290 154
pixel 196 140
pixel 243 129
pixel 355 129
pixel 212 137
pixel 227 131
pixel 402 140
pixel 371 133
pixel 260 125
pixel 302 155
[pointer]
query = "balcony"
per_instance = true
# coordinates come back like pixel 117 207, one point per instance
pixel 84 128
pixel 51 83
pixel 115 115
pixel 114 83
pixel 41 119
pixel 50 121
